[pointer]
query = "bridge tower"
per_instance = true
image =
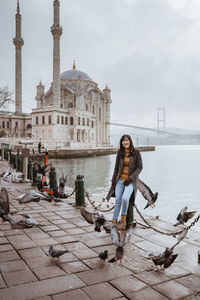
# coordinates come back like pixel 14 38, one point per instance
pixel 160 120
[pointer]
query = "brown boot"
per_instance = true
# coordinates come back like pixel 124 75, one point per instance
pixel 114 221
pixel 122 224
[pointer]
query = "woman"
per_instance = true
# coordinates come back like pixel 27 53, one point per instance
pixel 128 166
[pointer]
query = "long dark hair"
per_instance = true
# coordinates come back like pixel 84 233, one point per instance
pixel 121 147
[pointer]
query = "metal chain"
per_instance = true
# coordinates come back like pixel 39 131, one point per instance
pixel 71 193
pixel 97 207
pixel 165 233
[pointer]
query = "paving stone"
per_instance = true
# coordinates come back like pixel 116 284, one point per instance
pixel 173 289
pixel 99 242
pixel 3 240
pixel 5 247
pixel 46 242
pixel 42 288
pixel 13 232
pixel 191 281
pixel 75 246
pixel 150 247
pixel 14 265
pixel 137 263
pixel 67 226
pixel 72 295
pixel 48 272
pixel 146 294
pixel 75 231
pixel 2 283
pixel 38 262
pixel 152 277
pixel 93 263
pixel 8 255
pixel 74 267
pixel 18 277
pixel 38 236
pixel 21 242
pixel 102 291
pixel 65 239
pixel 107 273
pixel 57 233
pixel 44 298
pixel 193 297
pixel 174 272
pixel 128 284
pixel 50 228
pixel 84 253
pixel 59 221
pixel 31 253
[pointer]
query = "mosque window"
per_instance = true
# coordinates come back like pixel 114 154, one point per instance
pixel 66 120
pixel 93 109
pixel 71 121
pixel 83 121
pixel 70 105
pixel 8 125
pixel 88 122
pixel 16 125
pixel 37 120
pixel 3 124
pixel 86 107
pixel 92 124
pixel 79 121
pixel 43 120
pixel 99 113
pixel 58 119
pixel 49 119
pixel 74 100
pixel 62 120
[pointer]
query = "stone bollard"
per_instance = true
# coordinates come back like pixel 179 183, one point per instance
pixel 34 174
pixel 25 167
pixel 52 178
pixel 30 170
pixel 80 192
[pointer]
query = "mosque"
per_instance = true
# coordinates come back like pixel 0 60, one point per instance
pixel 72 113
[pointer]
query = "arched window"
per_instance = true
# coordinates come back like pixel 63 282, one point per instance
pixel 62 120
pixel 71 121
pixel 99 113
pixel 3 124
pixel 83 121
pixel 92 124
pixel 93 109
pixel 88 122
pixel 16 125
pixel 49 119
pixel 70 105
pixel 86 107
pixel 79 121
pixel 37 120
pixel 43 120
pixel 66 120
pixel 58 119
pixel 8 125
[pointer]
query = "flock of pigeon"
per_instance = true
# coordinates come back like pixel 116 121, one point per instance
pixel 164 260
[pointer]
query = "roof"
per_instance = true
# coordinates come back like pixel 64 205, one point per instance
pixel 74 74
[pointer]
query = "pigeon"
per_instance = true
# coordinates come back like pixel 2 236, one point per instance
pixel 146 193
pixel 93 218
pixel 165 259
pixel 32 196
pixel 103 255
pixel 54 253
pixel 27 222
pixel 62 182
pixel 118 244
pixel 6 173
pixel 41 169
pixel 184 216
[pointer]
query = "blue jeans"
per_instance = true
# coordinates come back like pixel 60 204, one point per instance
pixel 122 196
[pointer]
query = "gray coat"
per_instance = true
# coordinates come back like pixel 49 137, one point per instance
pixel 135 167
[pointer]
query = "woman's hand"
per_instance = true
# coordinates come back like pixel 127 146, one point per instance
pixel 127 181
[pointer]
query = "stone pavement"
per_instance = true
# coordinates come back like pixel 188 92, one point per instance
pixel 26 271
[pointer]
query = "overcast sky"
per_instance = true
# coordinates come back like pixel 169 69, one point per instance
pixel 147 51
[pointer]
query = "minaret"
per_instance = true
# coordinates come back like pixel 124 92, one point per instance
pixel 18 42
pixel 56 31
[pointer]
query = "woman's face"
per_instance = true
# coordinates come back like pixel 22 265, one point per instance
pixel 126 143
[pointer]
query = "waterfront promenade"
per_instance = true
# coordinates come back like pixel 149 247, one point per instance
pixel 28 273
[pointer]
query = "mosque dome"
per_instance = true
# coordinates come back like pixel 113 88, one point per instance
pixel 74 74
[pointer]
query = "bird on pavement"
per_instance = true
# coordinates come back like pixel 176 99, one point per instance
pixel 6 173
pixel 184 216
pixel 147 193
pixel 27 222
pixel 118 244
pixel 103 256
pixel 93 218
pixel 62 183
pixel 54 253
pixel 32 196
